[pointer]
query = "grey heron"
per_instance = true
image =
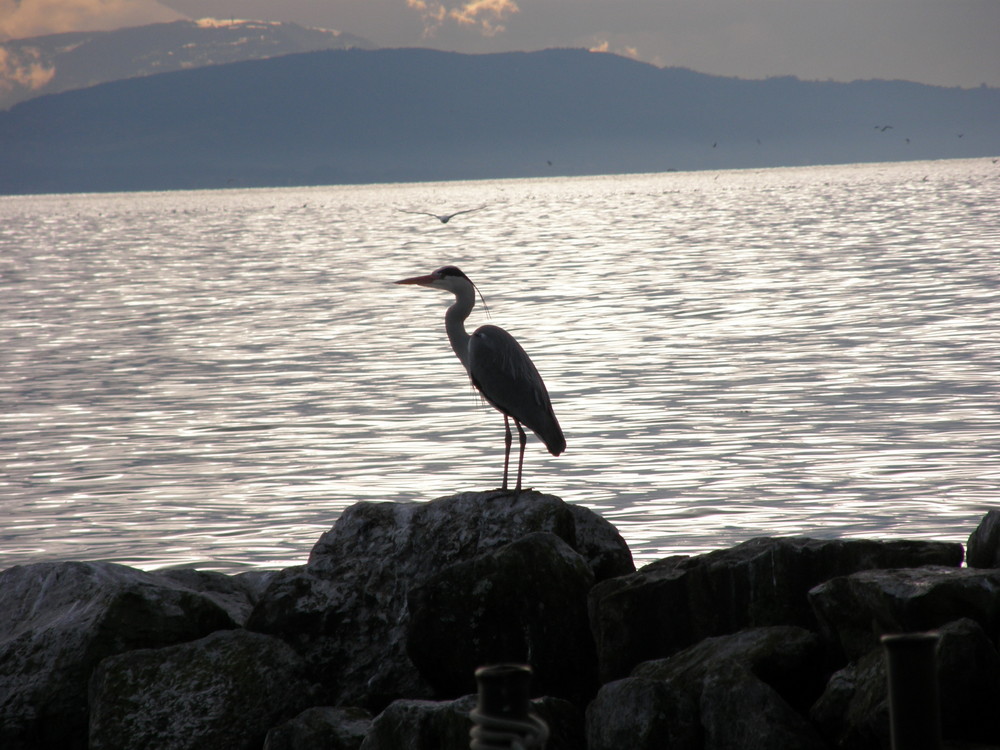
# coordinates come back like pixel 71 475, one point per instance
pixel 498 367
pixel 443 218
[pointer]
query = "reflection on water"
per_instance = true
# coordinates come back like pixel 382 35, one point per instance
pixel 209 378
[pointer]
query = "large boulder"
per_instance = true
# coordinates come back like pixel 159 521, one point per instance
pixel 983 548
pixel 321 728
pixel 640 713
pixel 346 611
pixel 853 711
pixel 738 710
pixel 225 690
pixel 59 620
pixel 525 602
pixel 236 594
pixel 969 682
pixel 459 527
pixel 855 610
pixel 445 725
pixel 671 604
pixel 422 725
pixel 748 689
pixel 787 658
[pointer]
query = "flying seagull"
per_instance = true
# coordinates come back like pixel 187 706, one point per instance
pixel 498 367
pixel 443 218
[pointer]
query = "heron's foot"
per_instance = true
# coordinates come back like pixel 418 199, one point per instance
pixel 503 492
pixel 508 492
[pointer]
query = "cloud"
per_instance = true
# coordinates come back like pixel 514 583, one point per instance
pixel 603 45
pixel 432 14
pixel 26 18
pixel 487 16
pixel 26 70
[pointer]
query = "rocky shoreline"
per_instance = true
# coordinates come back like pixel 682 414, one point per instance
pixel 374 642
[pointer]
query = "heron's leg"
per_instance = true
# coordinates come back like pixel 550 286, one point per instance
pixel 520 461
pixel 507 440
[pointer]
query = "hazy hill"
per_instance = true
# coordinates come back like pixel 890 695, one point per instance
pixel 61 62
pixel 410 114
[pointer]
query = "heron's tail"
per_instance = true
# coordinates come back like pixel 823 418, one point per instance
pixel 556 444
pixel 550 433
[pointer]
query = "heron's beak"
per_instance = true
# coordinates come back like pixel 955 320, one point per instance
pixel 421 280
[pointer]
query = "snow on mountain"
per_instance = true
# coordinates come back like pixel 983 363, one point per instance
pixel 62 62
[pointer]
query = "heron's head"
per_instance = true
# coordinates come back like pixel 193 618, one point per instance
pixel 449 278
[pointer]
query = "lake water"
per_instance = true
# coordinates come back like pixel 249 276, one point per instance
pixel 210 378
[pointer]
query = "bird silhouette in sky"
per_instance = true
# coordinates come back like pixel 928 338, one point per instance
pixel 443 218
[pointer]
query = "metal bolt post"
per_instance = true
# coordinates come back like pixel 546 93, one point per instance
pixel 502 720
pixel 914 706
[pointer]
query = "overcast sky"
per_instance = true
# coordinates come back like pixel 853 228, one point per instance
pixel 943 42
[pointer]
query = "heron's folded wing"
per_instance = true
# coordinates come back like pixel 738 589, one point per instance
pixel 507 378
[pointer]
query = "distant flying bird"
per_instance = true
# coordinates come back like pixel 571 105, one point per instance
pixel 443 218
pixel 883 128
pixel 498 367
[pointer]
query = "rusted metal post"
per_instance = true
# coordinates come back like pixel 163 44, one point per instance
pixel 914 703
pixel 502 719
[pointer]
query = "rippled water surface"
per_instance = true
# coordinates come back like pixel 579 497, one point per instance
pixel 209 378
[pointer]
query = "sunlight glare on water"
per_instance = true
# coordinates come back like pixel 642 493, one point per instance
pixel 210 378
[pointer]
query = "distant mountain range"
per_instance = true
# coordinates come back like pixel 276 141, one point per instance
pixel 62 62
pixel 357 115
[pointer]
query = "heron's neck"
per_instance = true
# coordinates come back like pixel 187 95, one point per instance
pixel 454 323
